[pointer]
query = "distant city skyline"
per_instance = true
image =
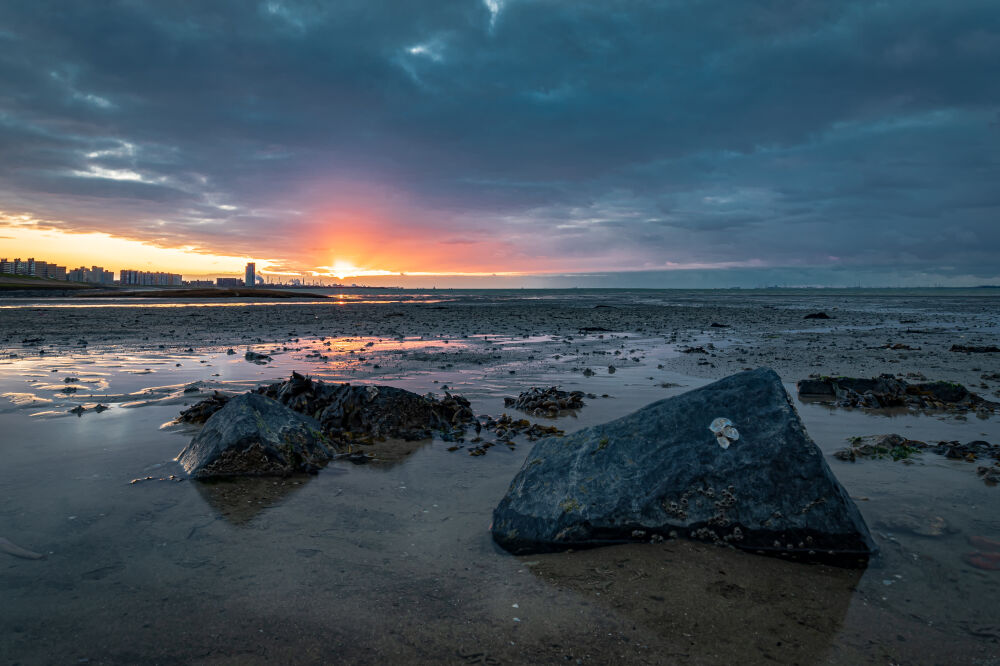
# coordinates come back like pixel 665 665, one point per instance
pixel 506 142
pixel 677 279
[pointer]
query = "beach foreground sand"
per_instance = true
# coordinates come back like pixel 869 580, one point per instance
pixel 392 561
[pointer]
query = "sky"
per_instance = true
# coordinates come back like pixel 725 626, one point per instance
pixel 507 142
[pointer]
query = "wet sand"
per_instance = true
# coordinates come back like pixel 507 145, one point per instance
pixel 392 561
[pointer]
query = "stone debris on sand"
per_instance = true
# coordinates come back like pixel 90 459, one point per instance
pixel 255 357
pixel 653 475
pixel 890 391
pixel 549 402
pixel 899 448
pixel 891 446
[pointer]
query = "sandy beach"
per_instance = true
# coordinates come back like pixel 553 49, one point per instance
pixel 392 561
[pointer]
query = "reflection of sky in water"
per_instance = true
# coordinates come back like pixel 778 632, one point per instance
pixel 138 379
pixel 65 487
pixel 206 303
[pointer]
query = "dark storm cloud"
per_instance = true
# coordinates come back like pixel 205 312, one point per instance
pixel 622 135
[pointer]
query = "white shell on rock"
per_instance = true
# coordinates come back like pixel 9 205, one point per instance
pixel 725 432
pixel 718 424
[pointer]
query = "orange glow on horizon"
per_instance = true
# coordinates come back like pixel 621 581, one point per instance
pixel 71 249
pixel 342 246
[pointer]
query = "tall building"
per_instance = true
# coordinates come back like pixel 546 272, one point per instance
pixel 250 277
pixel 54 272
pixel 94 274
pixel 42 269
pixel 149 279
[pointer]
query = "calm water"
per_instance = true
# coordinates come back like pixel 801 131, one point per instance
pixel 394 561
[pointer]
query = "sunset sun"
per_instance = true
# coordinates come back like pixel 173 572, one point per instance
pixel 341 269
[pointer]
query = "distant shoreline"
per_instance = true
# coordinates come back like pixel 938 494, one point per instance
pixel 29 283
pixel 208 292
pixel 20 286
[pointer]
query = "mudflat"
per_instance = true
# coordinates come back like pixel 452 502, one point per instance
pixel 392 560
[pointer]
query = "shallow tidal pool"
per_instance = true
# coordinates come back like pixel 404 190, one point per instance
pixel 393 561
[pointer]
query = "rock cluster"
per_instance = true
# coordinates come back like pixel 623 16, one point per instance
pixel 901 448
pixel 970 451
pixel 359 414
pixel 990 474
pixel 549 402
pixel 892 446
pixel 889 391
pixel 506 427
pixel 378 411
pixel 661 473
pixel 315 419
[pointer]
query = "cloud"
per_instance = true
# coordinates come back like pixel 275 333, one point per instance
pixel 566 136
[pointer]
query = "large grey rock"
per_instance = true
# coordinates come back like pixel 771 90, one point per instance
pixel 253 435
pixel 661 472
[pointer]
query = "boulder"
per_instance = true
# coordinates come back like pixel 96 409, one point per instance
pixel 253 435
pixel 729 463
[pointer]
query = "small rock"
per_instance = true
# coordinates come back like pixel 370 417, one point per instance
pixel 546 402
pixel 253 435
